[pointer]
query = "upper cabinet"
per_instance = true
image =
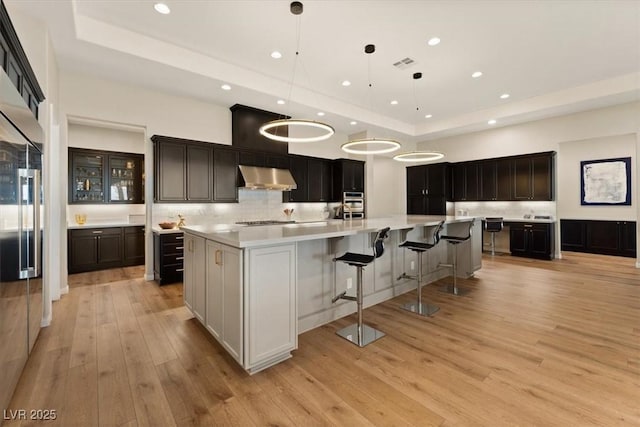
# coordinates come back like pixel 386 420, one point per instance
pixel 105 177
pixel 194 172
pixel 313 177
pixel 348 175
pixel 517 178
pixel 15 63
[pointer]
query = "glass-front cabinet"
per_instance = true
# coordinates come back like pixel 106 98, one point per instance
pixel 104 177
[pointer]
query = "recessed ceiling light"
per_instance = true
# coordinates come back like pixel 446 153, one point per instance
pixel 353 123
pixel 394 102
pixel 492 122
pixel 280 101
pixel 320 113
pixel 225 87
pixel 346 83
pixel 276 55
pixel 428 116
pixel 162 8
pixel 504 96
pixel 476 74
pixel 433 41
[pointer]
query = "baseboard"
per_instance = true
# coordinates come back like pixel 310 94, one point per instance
pixel 637 264
pixel 148 277
pixel 46 321
pixel 65 290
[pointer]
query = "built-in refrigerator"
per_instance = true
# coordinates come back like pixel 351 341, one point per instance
pixel 21 235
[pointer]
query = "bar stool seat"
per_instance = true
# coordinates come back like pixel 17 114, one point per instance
pixel 418 307
pixel 455 240
pixel 359 333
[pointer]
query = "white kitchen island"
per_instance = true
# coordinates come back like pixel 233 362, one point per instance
pixel 256 288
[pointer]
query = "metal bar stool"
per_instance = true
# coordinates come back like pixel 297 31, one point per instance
pixel 493 225
pixel 359 333
pixel 455 241
pixel 418 307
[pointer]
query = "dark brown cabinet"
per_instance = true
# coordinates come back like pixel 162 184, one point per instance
pixel 532 178
pixel 616 238
pixel 348 175
pixel 515 178
pixel 465 181
pixel 105 177
pixel 134 242
pixel 101 248
pixel 16 64
pixel 168 257
pixel 427 189
pixel 194 172
pixel 531 240
pixel 313 178
pixel 225 175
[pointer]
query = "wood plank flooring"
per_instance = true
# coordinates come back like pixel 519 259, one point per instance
pixel 534 343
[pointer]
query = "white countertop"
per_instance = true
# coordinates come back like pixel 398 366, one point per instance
pixel 159 230
pixel 102 225
pixel 530 220
pixel 241 236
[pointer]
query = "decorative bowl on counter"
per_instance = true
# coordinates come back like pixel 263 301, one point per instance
pixel 167 225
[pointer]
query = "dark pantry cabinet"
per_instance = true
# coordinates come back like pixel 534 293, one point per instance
pixel 428 188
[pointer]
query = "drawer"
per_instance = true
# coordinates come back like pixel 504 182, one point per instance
pixel 88 232
pixel 174 258
pixel 171 269
pixel 134 230
pixel 171 238
pixel 173 248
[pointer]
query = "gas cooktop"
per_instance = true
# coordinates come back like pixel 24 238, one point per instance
pixel 265 222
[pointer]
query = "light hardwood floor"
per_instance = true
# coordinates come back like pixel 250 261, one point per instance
pixel 534 343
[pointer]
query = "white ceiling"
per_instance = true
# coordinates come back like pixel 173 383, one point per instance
pixel 552 57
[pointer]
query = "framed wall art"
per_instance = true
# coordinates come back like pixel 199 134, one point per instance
pixel 605 182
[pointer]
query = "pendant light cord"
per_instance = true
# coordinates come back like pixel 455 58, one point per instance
pixel 295 61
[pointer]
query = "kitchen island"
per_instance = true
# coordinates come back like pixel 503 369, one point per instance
pixel 256 288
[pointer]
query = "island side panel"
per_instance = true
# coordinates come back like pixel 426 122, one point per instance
pixel 270 305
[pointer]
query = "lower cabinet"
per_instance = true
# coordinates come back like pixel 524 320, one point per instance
pixel 91 249
pixel 168 256
pixel 194 290
pixel 616 238
pixel 532 240
pixel 224 296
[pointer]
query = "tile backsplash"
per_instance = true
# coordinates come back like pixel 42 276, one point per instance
pixel 252 205
pixel 507 209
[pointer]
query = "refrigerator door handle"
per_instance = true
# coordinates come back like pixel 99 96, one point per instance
pixel 37 262
pixel 24 175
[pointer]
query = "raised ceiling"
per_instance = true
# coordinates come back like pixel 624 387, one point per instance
pixel 551 57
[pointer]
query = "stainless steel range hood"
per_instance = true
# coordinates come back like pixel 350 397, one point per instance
pixel 257 178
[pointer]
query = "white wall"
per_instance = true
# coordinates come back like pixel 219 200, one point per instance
pixel 570 154
pixel 100 138
pixel 37 45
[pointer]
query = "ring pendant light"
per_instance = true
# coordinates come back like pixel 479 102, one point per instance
pixel 296 8
pixel 370 145
pixel 418 156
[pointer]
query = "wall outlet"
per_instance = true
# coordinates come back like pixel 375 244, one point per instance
pixel 413 265
pixel 349 283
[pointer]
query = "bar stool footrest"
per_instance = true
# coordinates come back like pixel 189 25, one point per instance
pixel 369 334
pixel 421 309
pixel 450 289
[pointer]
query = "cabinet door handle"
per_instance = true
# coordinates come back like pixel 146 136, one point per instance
pixel 218 257
pixel 179 237
pixel 179 269
pixel 179 257
pixel 179 247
